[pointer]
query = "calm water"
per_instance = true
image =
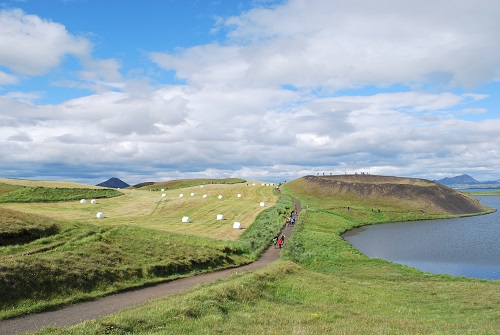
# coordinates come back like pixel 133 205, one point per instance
pixel 467 247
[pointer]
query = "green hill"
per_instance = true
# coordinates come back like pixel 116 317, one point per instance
pixel 390 193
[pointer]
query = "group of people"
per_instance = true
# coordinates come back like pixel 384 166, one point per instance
pixel 290 221
pixel 278 240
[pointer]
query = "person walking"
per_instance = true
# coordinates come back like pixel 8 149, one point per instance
pixel 275 241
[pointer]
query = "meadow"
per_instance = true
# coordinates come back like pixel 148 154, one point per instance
pixel 72 255
pixel 321 285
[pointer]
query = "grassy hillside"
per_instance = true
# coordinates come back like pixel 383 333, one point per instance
pixel 183 183
pixel 19 193
pixel 416 197
pixel 322 285
pixel 164 210
pixel 141 240
pixel 17 227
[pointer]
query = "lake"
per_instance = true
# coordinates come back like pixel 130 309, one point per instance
pixel 467 247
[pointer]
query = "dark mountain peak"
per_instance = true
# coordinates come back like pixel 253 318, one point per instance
pixel 462 179
pixel 114 183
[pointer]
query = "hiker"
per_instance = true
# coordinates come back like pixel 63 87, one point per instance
pixel 282 238
pixel 275 241
pixel 280 242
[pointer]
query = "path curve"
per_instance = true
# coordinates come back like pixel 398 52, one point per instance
pixel 79 312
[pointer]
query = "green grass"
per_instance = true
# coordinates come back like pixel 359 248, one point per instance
pixel 183 183
pixel 136 244
pixel 17 227
pixel 16 193
pixel 322 285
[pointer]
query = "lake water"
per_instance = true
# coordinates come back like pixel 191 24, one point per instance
pixel 467 247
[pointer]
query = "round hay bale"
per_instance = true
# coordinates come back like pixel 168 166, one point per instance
pixel 181 195
pixel 204 195
pixel 236 225
pixel 220 217
pixel 239 195
pixel 163 195
pixel 185 219
pixel 262 204
pixel 83 201
pixel 220 197
pixel 192 194
pixel 93 201
pixel 100 215
pixel 163 190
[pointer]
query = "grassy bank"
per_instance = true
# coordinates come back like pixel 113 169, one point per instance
pixel 87 258
pixel 18 193
pixel 322 285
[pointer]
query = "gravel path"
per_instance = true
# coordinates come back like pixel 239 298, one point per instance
pixel 89 310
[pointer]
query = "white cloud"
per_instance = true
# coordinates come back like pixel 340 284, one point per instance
pixel 8 79
pixel 350 43
pixel 32 46
pixel 272 100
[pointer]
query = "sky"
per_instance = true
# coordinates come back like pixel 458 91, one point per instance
pixel 268 90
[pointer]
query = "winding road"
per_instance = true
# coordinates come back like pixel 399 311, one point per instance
pixel 79 312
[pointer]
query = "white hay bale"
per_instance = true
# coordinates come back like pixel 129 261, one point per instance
pixel 220 197
pixel 201 186
pixel 163 190
pixel 262 204
pixel 253 184
pixel 83 201
pixel 239 195
pixel 100 215
pixel 185 219
pixel 163 195
pixel 181 195
pixel 204 195
pixel 236 225
pixel 192 194
pixel 220 217
pixel 93 201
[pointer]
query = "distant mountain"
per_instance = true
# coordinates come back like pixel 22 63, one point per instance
pixel 464 179
pixel 114 183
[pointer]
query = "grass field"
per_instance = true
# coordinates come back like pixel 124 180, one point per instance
pixel 141 239
pixel 150 210
pixel 322 285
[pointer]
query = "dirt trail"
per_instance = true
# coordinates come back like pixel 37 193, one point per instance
pixel 79 312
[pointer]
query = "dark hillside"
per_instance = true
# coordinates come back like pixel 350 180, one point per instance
pixel 416 194
pixel 114 183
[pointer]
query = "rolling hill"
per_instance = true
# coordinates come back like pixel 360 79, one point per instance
pixel 414 194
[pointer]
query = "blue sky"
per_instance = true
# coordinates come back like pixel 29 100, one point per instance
pixel 268 90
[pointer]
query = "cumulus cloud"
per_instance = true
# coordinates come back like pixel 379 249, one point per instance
pixel 280 97
pixel 350 43
pixel 32 46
